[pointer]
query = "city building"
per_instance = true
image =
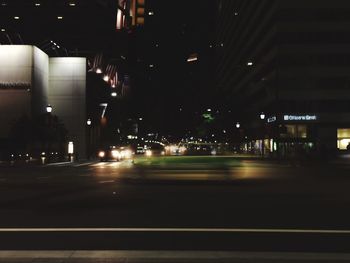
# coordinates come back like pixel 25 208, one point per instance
pixel 289 60
pixel 30 81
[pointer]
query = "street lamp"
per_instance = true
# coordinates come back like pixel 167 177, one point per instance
pixel 262 116
pixel 238 125
pixel 48 108
pixel 88 122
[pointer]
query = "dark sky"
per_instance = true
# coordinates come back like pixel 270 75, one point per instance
pixel 166 40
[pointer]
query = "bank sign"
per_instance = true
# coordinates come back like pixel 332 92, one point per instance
pixel 300 117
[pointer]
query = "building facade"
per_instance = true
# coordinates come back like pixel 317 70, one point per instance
pixel 290 60
pixel 30 80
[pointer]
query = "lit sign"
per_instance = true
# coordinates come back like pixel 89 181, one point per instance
pixel 70 148
pixel 300 117
pixel 14 85
pixel 271 119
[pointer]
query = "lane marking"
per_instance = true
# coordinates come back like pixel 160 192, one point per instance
pixel 84 164
pixel 107 181
pixel 175 254
pixel 205 230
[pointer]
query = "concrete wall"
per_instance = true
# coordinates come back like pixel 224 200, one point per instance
pixel 16 74
pixel 40 81
pixel 67 88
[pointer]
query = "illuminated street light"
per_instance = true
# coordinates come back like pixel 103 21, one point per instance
pixel 88 122
pixel 99 71
pixel 3 30
pixel 106 78
pixel 72 4
pixel 238 125
pixel 60 17
pixel 114 94
pixel 16 17
pixel 48 108
pixel 150 13
pixel 37 4
pixel 250 63
pixel 262 116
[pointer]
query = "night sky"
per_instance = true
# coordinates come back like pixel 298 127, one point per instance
pixel 171 94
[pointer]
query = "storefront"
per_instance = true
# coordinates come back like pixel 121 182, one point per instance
pixel 302 134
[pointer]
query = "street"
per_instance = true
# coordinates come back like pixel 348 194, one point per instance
pixel 252 205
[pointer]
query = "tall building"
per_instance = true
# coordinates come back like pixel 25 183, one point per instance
pixel 290 60
pixel 30 81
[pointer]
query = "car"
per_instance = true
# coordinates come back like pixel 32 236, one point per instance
pixel 114 153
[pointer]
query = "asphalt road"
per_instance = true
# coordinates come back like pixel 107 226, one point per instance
pixel 251 206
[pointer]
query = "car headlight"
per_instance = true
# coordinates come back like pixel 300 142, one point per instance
pixel 101 154
pixel 115 154
pixel 148 153
pixel 127 153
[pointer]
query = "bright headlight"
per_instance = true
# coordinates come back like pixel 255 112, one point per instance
pixel 127 153
pixel 115 154
pixel 148 153
pixel 101 154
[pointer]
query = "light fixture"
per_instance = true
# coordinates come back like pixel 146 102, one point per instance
pixel 16 17
pixel 3 30
pixel 209 110
pixel 88 122
pixel 140 119
pixel 71 4
pixel 37 4
pixel 238 125
pixel 150 13
pixel 262 116
pixel 60 17
pixel 106 78
pixel 99 71
pixel 114 94
pixel 48 108
pixel 250 63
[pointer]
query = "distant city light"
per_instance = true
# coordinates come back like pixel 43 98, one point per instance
pixel 88 122
pixel 238 125
pixel 236 13
pixel 106 78
pixel 192 57
pixel 2 29
pixel 99 71
pixel 3 4
pixel 140 119
pixel 49 108
pixel 16 17
pixel 37 4
pixel 209 110
pixel 262 116
pixel 71 4
pixel 250 63
pixel 151 65
pixel 222 44
pixel 60 17
pixel 150 13
pixel 114 94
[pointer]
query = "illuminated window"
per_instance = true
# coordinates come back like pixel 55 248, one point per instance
pixel 296 131
pixel 343 138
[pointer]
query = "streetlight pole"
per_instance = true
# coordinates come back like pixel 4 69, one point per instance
pixel 262 118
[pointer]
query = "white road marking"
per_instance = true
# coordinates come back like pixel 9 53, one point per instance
pixel 214 230
pixel 164 254
pixel 107 181
pixel 84 164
